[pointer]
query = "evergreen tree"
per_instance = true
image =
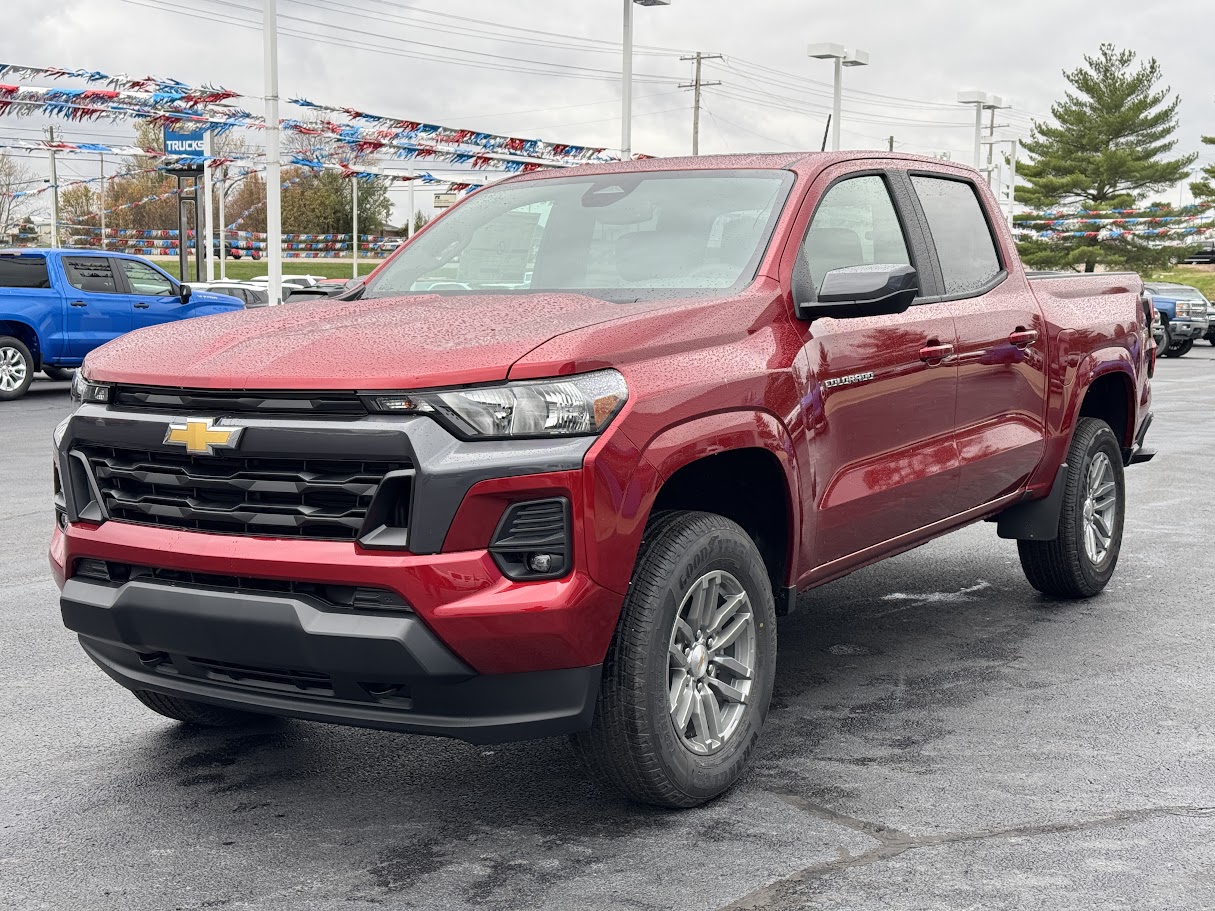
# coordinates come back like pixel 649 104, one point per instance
pixel 1107 149
pixel 1204 190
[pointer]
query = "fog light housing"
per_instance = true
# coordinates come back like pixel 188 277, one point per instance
pixel 534 541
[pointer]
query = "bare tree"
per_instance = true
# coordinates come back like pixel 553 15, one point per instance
pixel 15 177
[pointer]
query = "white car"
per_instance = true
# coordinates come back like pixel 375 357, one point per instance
pixel 300 281
pixel 254 294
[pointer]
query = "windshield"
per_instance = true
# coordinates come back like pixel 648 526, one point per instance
pixel 619 237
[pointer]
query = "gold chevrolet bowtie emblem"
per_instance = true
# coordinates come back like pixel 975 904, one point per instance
pixel 200 437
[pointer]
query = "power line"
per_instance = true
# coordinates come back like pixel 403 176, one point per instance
pixel 566 71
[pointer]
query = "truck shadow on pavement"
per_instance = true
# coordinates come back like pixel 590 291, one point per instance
pixel 871 670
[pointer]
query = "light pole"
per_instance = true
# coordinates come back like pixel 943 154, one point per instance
pixel 982 102
pixel 626 93
pixel 274 193
pixel 843 57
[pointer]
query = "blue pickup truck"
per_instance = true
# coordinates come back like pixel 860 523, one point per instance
pixel 1183 313
pixel 58 305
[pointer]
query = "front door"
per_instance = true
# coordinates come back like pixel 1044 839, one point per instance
pixel 1001 352
pixel 153 297
pixel 97 310
pixel 881 390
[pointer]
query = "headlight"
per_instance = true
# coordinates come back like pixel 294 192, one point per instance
pixel 84 391
pixel 568 406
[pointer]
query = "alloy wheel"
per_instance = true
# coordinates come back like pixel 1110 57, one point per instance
pixel 712 655
pixel 1100 508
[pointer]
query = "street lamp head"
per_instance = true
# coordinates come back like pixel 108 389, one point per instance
pixel 827 51
pixel 652 2
pixel 856 58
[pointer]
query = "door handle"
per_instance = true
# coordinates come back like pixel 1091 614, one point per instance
pixel 79 304
pixel 142 306
pixel 935 351
pixel 1022 337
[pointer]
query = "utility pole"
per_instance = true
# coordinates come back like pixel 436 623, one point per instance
pixel 695 85
pixel 54 193
pixel 890 144
pixel 101 201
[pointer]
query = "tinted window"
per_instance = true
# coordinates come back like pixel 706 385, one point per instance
pixel 960 232
pixel 23 272
pixel 258 298
pixel 854 225
pixel 90 273
pixel 146 280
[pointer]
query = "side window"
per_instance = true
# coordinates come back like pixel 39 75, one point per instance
pixel 94 274
pixel 961 233
pixel 146 280
pixel 854 225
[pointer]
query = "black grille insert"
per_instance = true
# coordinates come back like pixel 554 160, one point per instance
pixel 274 678
pixel 323 499
pixel 208 401
pixel 340 597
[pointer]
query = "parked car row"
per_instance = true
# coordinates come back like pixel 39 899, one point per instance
pixel 1185 316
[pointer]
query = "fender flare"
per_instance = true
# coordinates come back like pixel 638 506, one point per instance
pixel 681 444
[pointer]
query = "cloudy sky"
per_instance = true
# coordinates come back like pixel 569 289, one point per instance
pixel 551 70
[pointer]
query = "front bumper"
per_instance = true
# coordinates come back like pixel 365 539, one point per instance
pixel 285 655
pixel 1185 329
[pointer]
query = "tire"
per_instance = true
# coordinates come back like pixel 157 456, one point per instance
pixel 633 744
pixel 255 255
pixel 1181 350
pixel 1067 567
pixel 59 374
pixel 200 713
pixel 1162 349
pixel 16 368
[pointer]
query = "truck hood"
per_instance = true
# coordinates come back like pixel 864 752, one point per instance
pixel 394 343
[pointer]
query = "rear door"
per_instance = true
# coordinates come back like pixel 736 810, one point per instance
pixel 881 390
pixel 1001 356
pixel 154 296
pixel 97 309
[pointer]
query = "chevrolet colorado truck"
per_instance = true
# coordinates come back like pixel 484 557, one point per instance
pixel 58 305
pixel 577 446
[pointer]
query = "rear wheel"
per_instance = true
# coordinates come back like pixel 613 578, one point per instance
pixel 1081 559
pixel 199 713
pixel 688 678
pixel 16 368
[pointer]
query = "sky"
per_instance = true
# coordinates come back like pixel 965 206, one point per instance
pixel 550 70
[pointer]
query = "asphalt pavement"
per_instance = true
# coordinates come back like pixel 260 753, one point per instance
pixel 941 738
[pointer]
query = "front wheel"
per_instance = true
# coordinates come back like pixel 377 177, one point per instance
pixel 1081 559
pixel 688 678
pixel 16 368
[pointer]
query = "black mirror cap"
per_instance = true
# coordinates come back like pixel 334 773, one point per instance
pixel 184 291
pixel 870 290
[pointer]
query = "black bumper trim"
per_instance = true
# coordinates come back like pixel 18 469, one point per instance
pixel 357 653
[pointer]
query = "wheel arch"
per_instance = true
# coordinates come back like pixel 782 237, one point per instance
pixel 27 335
pixel 738 464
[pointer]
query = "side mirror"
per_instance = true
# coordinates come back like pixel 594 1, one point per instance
pixel 184 292
pixel 870 290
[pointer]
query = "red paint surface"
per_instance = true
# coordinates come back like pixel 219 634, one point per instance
pixel 871 469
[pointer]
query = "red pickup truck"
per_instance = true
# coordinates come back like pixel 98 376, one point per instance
pixel 568 455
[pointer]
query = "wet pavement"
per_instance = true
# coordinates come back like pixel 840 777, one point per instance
pixel 941 737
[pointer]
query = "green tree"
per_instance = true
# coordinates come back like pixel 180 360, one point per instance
pixel 420 220
pixel 1204 190
pixel 1108 148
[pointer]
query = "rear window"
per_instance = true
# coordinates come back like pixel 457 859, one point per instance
pixel 90 273
pixel 24 272
pixel 965 247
